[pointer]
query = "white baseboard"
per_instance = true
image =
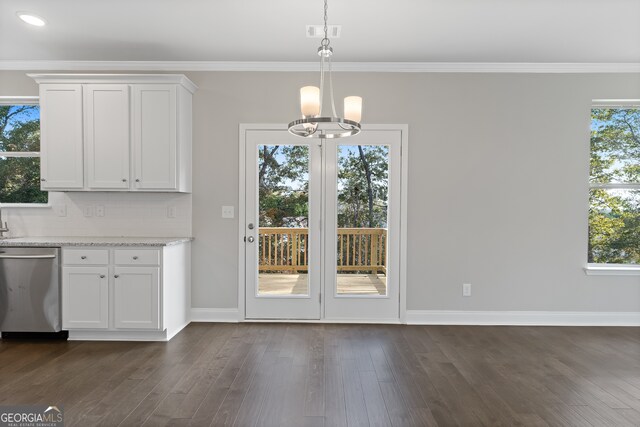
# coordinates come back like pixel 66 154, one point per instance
pixel 173 332
pixel 336 320
pixel 522 318
pixel 97 335
pixel 455 317
pixel 224 315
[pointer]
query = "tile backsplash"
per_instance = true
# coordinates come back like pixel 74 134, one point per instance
pixel 125 214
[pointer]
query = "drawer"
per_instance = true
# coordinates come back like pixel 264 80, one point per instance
pixel 85 256
pixel 136 257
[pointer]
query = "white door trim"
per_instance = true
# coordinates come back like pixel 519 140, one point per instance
pixel 243 128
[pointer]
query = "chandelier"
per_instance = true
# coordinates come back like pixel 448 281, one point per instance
pixel 313 124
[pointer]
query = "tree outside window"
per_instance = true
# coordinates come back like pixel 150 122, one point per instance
pixel 20 153
pixel 614 199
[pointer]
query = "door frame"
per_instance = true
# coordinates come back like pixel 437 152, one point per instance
pixel 243 128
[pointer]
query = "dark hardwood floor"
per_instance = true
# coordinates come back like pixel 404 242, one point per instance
pixel 336 375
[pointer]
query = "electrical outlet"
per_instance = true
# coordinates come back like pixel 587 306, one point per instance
pixel 172 212
pixel 228 212
pixel 61 210
pixel 466 289
pixel 100 210
pixel 88 211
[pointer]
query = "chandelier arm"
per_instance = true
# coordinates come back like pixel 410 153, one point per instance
pixel 321 84
pixel 323 127
pixel 333 104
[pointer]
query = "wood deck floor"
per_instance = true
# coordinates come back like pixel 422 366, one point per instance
pixel 297 284
pixel 336 375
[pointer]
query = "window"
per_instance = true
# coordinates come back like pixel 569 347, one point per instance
pixel 614 199
pixel 20 151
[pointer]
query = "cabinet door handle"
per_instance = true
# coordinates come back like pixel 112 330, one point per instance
pixel 102 276
pixel 124 179
pixel 83 257
pixel 135 257
pixel 116 276
pixel 42 179
pixel 137 179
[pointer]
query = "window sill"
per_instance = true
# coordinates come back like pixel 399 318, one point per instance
pixel 25 205
pixel 612 270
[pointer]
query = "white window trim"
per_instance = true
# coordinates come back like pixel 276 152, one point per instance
pixel 611 103
pixel 612 270
pixel 22 100
pixel 594 269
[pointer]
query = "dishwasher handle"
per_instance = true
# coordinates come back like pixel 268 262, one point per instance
pixel 9 256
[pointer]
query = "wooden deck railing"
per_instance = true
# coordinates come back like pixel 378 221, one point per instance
pixel 282 249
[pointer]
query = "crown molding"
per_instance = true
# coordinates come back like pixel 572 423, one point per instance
pixel 180 79
pixel 383 67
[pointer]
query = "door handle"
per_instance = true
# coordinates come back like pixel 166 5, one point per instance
pixel 250 239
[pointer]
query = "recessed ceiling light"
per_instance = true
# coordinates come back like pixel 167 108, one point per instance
pixel 32 19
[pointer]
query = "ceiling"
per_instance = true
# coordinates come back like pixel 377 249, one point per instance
pixel 533 31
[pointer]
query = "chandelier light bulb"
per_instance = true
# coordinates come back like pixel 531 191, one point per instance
pixel 310 101
pixel 353 108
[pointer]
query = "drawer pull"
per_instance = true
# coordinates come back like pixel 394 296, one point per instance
pixel 135 257
pixel 83 257
pixel 116 276
pixel 102 276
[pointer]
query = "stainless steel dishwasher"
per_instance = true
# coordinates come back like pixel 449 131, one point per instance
pixel 30 290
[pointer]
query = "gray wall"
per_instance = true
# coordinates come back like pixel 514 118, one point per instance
pixel 498 173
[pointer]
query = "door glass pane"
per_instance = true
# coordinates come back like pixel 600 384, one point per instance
pixel 363 199
pixel 283 209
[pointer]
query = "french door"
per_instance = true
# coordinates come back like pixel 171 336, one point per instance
pixel 322 226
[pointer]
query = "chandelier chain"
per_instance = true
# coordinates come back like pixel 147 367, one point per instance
pixel 325 41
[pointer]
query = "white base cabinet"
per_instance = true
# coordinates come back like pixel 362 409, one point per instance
pixel 85 297
pixel 126 293
pixel 136 297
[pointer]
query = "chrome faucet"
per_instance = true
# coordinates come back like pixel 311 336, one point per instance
pixel 5 228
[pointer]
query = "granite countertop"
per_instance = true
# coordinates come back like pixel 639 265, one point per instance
pixel 92 241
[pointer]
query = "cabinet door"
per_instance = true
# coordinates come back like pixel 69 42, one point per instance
pixel 107 135
pixel 155 137
pixel 136 297
pixel 85 298
pixel 61 136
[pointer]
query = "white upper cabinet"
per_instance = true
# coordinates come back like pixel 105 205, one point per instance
pixel 154 137
pixel 107 136
pixel 61 142
pixel 116 132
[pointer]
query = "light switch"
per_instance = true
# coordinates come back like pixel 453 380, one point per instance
pixel 88 211
pixel 228 212
pixel 172 212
